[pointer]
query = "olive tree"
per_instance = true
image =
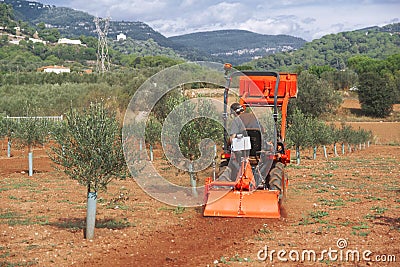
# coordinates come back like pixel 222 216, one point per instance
pixel 30 132
pixel 299 133
pixel 89 149
pixel 316 96
pixel 321 135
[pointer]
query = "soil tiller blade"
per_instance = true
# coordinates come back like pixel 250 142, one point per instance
pixel 258 204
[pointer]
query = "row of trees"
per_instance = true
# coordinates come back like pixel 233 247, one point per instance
pixel 88 148
pixel 305 131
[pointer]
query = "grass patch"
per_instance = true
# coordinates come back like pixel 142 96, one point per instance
pixel 379 210
pixel 14 218
pixel 346 223
pixel 314 217
pixel 115 206
pixel 10 215
pixel 369 217
pixel 177 210
pixel 358 230
pixel 322 190
pixel 32 246
pixel 360 227
pixel 25 183
pixel 13 264
pixel 331 202
pixel 374 198
pixel 114 224
pixel 76 224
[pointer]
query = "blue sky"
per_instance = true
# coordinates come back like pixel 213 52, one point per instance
pixel 308 19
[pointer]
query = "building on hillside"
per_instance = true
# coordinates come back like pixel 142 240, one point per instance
pixel 69 41
pixel 34 40
pixel 55 69
pixel 121 37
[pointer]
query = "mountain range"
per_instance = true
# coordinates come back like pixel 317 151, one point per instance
pixel 222 46
pixel 280 52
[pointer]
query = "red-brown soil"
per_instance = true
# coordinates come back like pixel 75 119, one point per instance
pixel 355 196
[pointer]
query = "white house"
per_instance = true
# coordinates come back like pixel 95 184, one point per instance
pixel 69 41
pixel 121 36
pixel 34 40
pixel 55 69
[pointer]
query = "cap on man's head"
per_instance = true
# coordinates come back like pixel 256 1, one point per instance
pixel 236 108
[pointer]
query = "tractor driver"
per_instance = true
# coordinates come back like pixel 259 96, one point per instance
pixel 242 121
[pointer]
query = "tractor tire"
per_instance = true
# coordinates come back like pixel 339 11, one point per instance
pixel 278 180
pixel 275 179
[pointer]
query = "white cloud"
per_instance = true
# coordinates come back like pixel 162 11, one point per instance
pixel 308 19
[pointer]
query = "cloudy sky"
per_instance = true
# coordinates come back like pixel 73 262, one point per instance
pixel 308 19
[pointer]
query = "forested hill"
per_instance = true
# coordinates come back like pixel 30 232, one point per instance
pixel 233 46
pixel 238 46
pixel 277 52
pixel 73 23
pixel 334 50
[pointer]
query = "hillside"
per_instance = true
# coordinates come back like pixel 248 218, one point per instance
pixel 238 46
pixel 222 46
pixel 73 23
pixel 335 49
pixel 278 52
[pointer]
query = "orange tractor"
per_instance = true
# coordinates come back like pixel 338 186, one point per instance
pixel 252 180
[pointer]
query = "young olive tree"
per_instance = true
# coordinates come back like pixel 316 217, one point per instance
pixel 300 132
pixel 153 133
pixel 321 136
pixel 336 137
pixel 89 150
pixel 345 135
pixel 30 132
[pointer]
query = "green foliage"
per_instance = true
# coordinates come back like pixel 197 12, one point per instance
pixel 376 94
pixel 321 133
pixel 340 79
pixel 335 50
pixel 32 131
pixel 300 131
pixel 6 16
pixel 319 70
pixel 153 131
pixel 346 134
pixel 315 96
pixel 379 84
pixel 89 147
pixel 141 48
pixel 205 126
pixel 50 35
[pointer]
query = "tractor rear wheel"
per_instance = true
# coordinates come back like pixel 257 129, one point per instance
pixel 275 177
pixel 277 180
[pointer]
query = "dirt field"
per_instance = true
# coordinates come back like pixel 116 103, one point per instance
pixel 355 197
pixel 345 209
pixel 385 131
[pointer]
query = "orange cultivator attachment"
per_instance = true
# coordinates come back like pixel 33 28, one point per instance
pixel 233 203
pixel 239 199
